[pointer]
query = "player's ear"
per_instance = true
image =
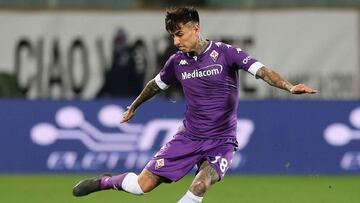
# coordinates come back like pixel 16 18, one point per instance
pixel 197 27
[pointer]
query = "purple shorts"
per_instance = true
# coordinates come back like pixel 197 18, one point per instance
pixel 179 156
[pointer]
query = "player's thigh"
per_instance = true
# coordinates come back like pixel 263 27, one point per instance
pixel 205 177
pixel 176 159
pixel 220 158
pixel 207 174
pixel 148 180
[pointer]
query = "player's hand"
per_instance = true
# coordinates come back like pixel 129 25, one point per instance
pixel 128 115
pixel 302 89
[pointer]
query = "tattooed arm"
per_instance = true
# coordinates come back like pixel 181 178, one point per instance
pixel 148 92
pixel 274 79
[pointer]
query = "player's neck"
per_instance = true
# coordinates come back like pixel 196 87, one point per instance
pixel 201 46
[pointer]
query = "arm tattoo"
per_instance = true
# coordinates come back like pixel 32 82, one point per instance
pixel 273 78
pixel 148 92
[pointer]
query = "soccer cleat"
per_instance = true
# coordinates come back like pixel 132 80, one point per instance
pixel 88 186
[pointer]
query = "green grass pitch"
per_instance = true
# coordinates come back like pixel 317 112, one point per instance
pixel 234 189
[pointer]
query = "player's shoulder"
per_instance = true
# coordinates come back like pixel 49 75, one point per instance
pixel 174 59
pixel 175 56
pixel 224 47
pixel 178 54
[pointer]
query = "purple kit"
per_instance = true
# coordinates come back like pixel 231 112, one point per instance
pixel 210 83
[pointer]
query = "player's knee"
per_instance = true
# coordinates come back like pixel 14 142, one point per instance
pixel 148 181
pixel 145 188
pixel 199 187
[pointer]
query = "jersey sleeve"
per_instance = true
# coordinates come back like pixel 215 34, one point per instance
pixel 166 76
pixel 240 59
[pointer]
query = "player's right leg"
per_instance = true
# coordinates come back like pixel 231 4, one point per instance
pixel 212 169
pixel 205 178
pixel 129 182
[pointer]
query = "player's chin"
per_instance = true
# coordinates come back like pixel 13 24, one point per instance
pixel 182 49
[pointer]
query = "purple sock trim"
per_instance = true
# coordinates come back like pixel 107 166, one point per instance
pixel 104 183
pixel 114 182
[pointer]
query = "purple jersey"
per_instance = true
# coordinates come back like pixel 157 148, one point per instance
pixel 210 83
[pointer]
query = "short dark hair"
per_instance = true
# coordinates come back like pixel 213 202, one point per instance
pixel 175 16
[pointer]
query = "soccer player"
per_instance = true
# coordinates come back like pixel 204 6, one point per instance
pixel 208 73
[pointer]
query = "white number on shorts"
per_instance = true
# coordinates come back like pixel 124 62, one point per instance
pixel 223 163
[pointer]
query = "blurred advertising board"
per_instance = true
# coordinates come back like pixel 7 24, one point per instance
pixel 67 54
pixel 275 137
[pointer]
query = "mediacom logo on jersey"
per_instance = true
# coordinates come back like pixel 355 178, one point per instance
pixel 214 69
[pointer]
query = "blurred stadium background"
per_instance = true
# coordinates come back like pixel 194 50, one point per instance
pixel 68 69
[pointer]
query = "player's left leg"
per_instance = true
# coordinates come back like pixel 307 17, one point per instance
pixel 145 182
pixel 128 182
pixel 206 177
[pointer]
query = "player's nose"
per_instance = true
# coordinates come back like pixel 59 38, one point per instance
pixel 176 42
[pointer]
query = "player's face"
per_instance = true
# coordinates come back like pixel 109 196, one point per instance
pixel 186 37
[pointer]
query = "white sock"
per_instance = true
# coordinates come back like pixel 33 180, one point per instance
pixel 130 184
pixel 189 197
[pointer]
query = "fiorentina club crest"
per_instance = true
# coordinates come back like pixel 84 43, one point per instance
pixel 159 163
pixel 214 55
